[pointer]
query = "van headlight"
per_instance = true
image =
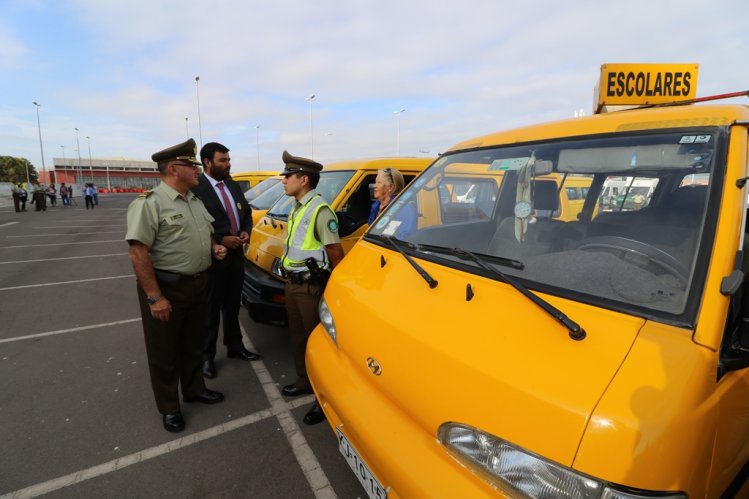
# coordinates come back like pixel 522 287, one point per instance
pixel 326 319
pixel 515 470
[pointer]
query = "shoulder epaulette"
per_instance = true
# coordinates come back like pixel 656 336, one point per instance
pixel 145 194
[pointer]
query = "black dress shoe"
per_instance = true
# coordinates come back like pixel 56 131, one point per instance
pixel 292 390
pixel 314 415
pixel 207 397
pixel 243 354
pixel 174 422
pixel 209 369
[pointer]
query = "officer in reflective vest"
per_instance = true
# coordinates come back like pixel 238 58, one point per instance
pixel 313 248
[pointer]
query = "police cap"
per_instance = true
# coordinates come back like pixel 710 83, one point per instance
pixel 295 164
pixel 185 151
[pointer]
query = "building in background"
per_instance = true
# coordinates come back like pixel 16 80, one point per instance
pixel 109 175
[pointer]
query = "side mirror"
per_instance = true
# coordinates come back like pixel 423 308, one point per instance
pixel 731 283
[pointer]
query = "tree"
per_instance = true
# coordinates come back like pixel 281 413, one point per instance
pixel 13 169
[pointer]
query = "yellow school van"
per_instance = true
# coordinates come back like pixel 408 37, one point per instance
pixel 515 354
pixel 247 180
pixel 348 187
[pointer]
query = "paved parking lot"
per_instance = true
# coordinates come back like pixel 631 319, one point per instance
pixel 77 415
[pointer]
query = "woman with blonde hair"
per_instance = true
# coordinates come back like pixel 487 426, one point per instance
pixel 388 184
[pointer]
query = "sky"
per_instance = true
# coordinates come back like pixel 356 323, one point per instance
pixel 124 72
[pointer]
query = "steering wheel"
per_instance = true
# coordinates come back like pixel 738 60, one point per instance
pixel 630 246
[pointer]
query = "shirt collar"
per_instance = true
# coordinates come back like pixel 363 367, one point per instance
pixel 306 198
pixel 212 180
pixel 171 193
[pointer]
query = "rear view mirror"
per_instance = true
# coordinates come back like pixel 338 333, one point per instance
pixel 542 167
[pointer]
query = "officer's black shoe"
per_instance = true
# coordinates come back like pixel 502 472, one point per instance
pixel 292 390
pixel 242 353
pixel 314 415
pixel 174 422
pixel 209 369
pixel 207 397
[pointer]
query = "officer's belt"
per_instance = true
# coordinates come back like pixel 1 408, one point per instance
pixel 298 277
pixel 172 277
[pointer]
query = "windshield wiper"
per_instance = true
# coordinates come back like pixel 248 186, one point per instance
pixel 575 331
pixel 499 260
pixel 396 244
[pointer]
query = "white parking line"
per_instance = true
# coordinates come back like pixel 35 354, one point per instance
pixel 71 330
pixel 307 460
pixel 144 455
pixel 63 244
pixel 65 282
pixel 9 223
pixel 279 408
pixel 63 258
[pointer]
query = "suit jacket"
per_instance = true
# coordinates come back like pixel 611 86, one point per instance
pixel 221 223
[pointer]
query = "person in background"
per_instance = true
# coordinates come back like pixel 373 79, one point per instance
pixel 39 198
pixel 64 192
pixel 19 197
pixel 52 195
pixel 95 194
pixel 232 223
pixel 88 193
pixel 313 248
pixel 169 232
pixel 388 184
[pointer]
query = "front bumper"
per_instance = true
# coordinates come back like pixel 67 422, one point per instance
pixel 263 296
pixel 406 458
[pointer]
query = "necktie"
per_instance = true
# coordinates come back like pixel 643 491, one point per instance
pixel 229 209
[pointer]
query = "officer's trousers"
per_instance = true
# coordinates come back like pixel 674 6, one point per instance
pixel 302 301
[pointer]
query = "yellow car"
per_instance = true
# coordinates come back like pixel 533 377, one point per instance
pixel 348 186
pixel 247 180
pixel 510 353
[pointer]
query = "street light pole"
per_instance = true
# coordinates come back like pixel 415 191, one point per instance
pixel 398 133
pixel 187 129
pixel 197 94
pixel 64 161
pixel 257 144
pixel 41 148
pixel 311 130
pixel 90 167
pixel 80 166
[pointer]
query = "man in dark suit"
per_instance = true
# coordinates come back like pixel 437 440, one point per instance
pixel 224 200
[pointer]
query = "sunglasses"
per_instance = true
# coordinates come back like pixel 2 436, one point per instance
pixel 389 172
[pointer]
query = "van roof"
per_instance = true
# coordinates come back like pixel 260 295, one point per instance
pixel 261 173
pixel 379 163
pixel 635 119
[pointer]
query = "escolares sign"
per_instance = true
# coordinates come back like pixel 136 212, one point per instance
pixel 645 84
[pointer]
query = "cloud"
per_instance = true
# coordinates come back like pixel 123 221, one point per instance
pixel 13 51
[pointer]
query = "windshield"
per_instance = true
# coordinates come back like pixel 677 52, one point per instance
pixel 266 199
pixel 260 188
pixel 330 185
pixel 615 221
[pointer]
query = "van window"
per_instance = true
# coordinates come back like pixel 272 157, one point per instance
pixel 269 196
pixel 330 185
pixel 627 193
pixel 629 257
pixel 466 199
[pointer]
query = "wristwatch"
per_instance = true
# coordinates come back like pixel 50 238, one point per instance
pixel 153 299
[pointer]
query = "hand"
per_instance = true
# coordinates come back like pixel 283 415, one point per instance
pixel 244 237
pixel 161 310
pixel 219 251
pixel 231 242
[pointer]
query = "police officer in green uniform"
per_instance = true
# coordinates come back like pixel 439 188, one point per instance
pixel 169 232
pixel 313 248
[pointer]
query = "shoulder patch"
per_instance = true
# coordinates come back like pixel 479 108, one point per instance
pixel 333 226
pixel 145 194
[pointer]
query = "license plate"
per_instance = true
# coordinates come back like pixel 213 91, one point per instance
pixel 367 479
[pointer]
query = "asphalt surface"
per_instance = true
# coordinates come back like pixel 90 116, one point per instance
pixel 77 416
